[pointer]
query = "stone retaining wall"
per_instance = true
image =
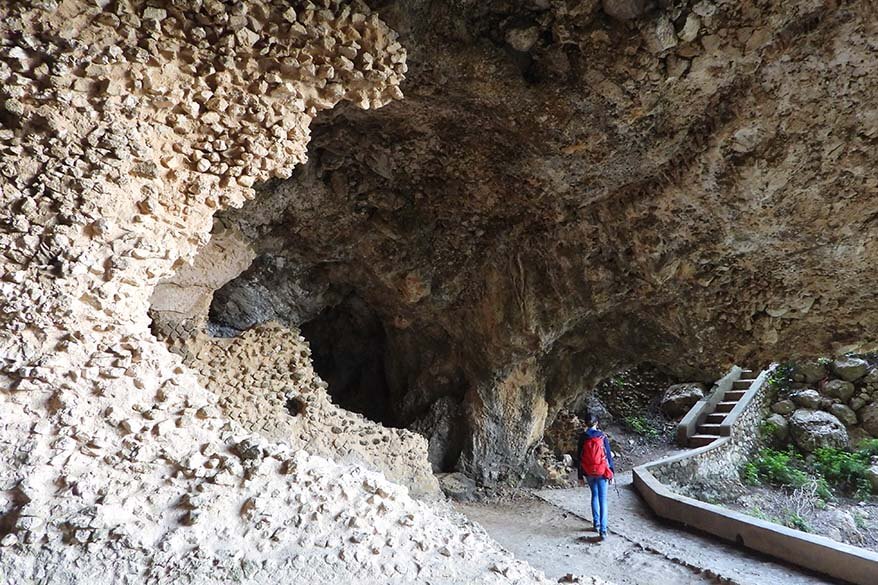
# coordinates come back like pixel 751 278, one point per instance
pixel 718 462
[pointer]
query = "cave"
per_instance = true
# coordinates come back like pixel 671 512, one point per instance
pixel 348 344
pixel 273 271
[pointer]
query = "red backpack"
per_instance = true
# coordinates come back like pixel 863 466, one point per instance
pixel 594 459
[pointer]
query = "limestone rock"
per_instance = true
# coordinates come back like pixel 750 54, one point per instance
pixel 810 372
pixel 783 407
pixel 840 389
pixel 850 369
pixel 812 429
pixel 869 418
pixel 779 427
pixel 625 9
pixel 806 398
pixel 844 413
pixel 679 398
pixel 523 39
pixel 872 476
pixel 457 486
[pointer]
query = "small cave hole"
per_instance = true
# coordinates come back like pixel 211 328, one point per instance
pixel 348 342
pixel 296 406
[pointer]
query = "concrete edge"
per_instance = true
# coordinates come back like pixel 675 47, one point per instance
pixel 687 425
pixel 725 428
pixel 817 553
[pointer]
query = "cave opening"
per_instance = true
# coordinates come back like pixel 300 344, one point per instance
pixel 348 344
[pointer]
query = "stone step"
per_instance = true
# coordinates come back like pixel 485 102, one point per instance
pixel 724 406
pixel 702 440
pixel 741 384
pixel 734 395
pixel 748 374
pixel 715 418
pixel 708 429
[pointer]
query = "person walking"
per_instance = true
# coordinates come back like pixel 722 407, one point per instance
pixel 596 467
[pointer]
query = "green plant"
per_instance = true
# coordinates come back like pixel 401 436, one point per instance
pixel 794 520
pixel 784 469
pixel 780 378
pixel 869 447
pixel 641 426
pixel 768 429
pixel 845 469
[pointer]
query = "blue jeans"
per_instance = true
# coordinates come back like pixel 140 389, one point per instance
pixel 598 487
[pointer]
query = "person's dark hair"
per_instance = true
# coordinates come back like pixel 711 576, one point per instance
pixel 591 420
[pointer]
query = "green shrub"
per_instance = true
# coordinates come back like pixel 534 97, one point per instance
pixel 641 426
pixel 783 469
pixel 780 378
pixel 869 447
pixel 846 470
pixel 797 522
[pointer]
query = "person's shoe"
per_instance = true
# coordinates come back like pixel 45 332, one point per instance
pixel 594 528
pixel 603 535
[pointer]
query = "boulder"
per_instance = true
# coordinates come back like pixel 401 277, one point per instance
pixel 857 435
pixel 870 381
pixel 810 372
pixel 858 402
pixel 850 368
pixel 783 407
pixel 844 413
pixel 679 398
pixel 872 476
pixel 625 9
pixel 869 418
pixel 806 398
pixel 840 389
pixel 457 486
pixel 812 429
pixel 779 427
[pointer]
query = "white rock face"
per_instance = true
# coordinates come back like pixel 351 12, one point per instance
pixel 116 464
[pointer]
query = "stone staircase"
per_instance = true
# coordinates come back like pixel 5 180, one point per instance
pixel 708 430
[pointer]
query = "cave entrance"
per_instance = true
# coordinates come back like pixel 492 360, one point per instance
pixel 347 346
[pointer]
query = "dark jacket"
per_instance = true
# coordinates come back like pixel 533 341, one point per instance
pixel 588 434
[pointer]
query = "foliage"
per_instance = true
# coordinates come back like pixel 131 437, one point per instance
pixel 845 470
pixel 768 429
pixel 780 378
pixel 784 469
pixel 830 470
pixel 869 447
pixel 794 520
pixel 641 426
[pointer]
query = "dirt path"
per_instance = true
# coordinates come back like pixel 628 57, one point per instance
pixel 641 550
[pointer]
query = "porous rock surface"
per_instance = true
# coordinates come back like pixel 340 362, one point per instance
pixel 564 193
pixel 125 126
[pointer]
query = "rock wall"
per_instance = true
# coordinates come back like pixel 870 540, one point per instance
pixel 264 373
pixel 826 403
pixel 565 193
pixel 125 126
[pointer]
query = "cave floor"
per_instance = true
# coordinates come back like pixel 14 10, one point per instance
pixel 641 550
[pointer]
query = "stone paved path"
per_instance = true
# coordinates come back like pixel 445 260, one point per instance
pixel 641 549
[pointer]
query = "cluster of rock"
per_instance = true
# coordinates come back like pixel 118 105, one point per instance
pixel 125 126
pixel 265 381
pixel 828 404
pixel 262 374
